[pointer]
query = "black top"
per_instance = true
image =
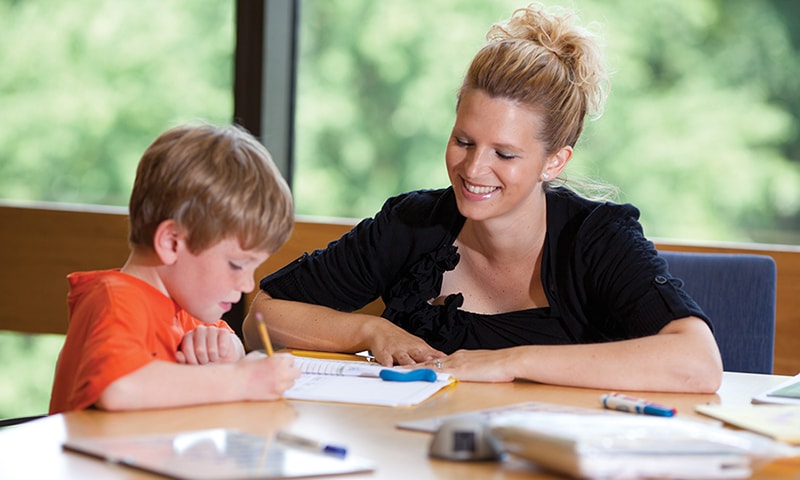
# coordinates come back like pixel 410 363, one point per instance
pixel 603 279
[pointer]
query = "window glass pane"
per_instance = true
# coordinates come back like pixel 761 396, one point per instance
pixel 27 364
pixel 88 84
pixel 700 130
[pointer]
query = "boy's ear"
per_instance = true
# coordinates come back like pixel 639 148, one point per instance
pixel 166 241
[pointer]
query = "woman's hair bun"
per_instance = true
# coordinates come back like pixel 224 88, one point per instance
pixel 576 47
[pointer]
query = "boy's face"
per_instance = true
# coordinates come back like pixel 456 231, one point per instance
pixel 209 283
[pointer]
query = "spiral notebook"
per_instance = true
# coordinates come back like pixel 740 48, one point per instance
pixel 322 380
pixel 219 454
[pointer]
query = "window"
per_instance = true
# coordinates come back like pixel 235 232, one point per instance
pixel 700 130
pixel 87 85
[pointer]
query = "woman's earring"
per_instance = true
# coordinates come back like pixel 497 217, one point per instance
pixel 545 176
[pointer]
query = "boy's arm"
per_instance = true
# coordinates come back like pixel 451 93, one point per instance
pixel 161 384
pixel 210 344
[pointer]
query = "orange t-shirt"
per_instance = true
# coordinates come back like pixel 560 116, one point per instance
pixel 118 324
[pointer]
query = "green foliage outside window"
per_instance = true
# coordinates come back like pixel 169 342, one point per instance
pixel 87 85
pixel 700 131
pixel 26 370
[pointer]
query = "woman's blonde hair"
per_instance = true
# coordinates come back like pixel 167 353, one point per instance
pixel 216 182
pixel 545 62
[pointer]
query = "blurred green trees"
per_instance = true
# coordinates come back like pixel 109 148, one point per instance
pixel 700 130
pixel 87 85
pixel 26 371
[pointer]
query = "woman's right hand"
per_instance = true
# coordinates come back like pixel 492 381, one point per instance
pixel 314 327
pixel 391 345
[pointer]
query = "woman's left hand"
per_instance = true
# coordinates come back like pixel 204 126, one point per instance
pixel 474 365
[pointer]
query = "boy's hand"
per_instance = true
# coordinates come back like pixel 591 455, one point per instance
pixel 266 378
pixel 206 344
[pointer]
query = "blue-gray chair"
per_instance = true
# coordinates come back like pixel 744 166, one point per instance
pixel 738 292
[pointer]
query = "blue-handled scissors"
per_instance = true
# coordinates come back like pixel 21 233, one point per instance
pixel 418 375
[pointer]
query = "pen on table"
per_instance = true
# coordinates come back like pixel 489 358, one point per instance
pixel 624 403
pixel 262 328
pixel 297 441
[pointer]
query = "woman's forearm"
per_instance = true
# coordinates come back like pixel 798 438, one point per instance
pixel 681 358
pixel 312 327
pixel 649 364
pixel 306 326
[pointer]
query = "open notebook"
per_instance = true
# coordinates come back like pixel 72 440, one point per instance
pixel 219 454
pixel 345 381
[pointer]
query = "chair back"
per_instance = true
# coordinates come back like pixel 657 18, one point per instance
pixel 738 293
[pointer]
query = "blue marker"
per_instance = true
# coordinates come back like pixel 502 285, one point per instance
pixel 356 369
pixel 309 444
pixel 624 403
pixel 418 375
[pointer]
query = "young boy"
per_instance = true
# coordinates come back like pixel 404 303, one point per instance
pixel 208 206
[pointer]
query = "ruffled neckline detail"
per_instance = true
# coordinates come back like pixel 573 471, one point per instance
pixel 444 326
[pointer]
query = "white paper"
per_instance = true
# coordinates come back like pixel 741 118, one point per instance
pixel 321 382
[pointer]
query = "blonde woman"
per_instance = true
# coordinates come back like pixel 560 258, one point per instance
pixel 507 274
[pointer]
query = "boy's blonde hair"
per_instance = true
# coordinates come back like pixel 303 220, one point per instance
pixel 216 182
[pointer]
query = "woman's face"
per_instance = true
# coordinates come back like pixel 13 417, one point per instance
pixel 494 160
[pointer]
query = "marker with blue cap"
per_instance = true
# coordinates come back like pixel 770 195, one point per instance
pixel 418 375
pixel 387 374
pixel 293 440
pixel 625 403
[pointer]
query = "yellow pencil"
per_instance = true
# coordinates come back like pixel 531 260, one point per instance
pixel 262 327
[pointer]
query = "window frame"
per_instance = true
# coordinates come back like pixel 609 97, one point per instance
pixel 265 75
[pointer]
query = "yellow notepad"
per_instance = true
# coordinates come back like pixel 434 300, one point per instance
pixel 781 422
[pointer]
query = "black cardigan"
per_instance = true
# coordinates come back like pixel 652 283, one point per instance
pixel 603 279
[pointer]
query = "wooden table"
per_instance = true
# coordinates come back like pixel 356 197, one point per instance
pixel 33 450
